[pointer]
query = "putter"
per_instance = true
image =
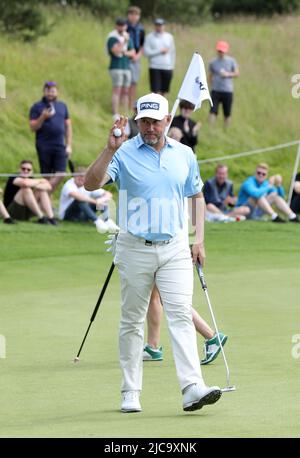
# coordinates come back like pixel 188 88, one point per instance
pixel 96 309
pixel 204 287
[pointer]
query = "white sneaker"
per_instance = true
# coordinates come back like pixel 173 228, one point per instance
pixel 130 401
pixel 101 226
pixel 197 396
pixel 111 226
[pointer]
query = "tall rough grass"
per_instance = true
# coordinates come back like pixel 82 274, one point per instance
pixel 264 114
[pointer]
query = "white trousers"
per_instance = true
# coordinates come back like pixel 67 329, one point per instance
pixel 170 267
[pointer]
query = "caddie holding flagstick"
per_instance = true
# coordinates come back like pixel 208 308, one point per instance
pixel 154 174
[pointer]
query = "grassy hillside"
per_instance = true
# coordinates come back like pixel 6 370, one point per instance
pixel 74 55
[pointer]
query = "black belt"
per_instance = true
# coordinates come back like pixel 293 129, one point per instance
pixel 160 242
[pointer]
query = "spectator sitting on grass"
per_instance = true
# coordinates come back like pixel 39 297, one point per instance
pixel 25 196
pixel 4 213
pixel 259 195
pixel 78 204
pixel 220 199
pixel 295 204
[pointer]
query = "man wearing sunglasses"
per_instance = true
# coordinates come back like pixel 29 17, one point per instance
pixel 25 196
pixel 49 119
pixel 260 196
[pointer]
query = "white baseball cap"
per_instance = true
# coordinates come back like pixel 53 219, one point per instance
pixel 153 106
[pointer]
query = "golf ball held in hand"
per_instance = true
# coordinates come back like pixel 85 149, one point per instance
pixel 117 132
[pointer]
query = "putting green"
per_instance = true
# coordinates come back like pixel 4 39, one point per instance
pixel 50 282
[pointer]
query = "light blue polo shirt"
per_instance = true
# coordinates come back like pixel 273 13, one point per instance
pixel 152 187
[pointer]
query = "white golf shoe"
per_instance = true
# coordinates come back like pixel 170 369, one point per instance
pixel 196 396
pixel 131 401
pixel 101 226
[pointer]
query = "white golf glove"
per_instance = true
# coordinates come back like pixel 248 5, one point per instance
pixel 111 242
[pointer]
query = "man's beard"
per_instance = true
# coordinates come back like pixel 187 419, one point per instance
pixel 151 142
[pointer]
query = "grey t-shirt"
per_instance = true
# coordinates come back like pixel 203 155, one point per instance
pixel 218 82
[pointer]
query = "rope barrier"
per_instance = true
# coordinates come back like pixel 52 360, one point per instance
pixel 203 161
pixel 38 175
pixel 249 153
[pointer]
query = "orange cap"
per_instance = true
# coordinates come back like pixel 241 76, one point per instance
pixel 222 46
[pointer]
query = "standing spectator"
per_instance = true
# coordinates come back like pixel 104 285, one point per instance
pixel 219 196
pixel 121 50
pixel 25 196
pixel 49 119
pixel 4 213
pixel 259 195
pixel 160 49
pixel 137 35
pixel 222 70
pixel 295 204
pixel 77 204
pixel 188 127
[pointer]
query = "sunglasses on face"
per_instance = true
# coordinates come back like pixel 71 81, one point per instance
pixel 26 169
pixel 263 174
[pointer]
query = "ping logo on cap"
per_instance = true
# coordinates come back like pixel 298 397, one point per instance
pixel 149 106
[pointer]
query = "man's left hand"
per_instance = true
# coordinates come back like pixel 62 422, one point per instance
pixel 198 253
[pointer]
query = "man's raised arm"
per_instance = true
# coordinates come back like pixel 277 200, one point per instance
pixel 96 175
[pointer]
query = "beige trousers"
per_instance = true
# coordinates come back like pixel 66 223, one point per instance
pixel 170 266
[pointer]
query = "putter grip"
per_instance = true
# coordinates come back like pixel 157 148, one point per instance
pixel 201 275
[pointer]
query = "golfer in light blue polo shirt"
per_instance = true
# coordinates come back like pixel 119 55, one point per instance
pixel 154 174
pixel 153 186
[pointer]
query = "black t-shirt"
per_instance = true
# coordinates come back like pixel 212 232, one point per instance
pixel 296 179
pixel 188 138
pixel 10 191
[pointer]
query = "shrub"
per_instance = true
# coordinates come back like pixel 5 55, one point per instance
pixel 23 19
pixel 187 11
pixel 258 7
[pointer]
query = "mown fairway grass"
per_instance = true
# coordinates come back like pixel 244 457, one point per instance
pixel 50 280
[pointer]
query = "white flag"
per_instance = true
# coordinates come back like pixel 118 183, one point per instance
pixel 194 88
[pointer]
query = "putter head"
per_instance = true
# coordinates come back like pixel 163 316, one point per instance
pixel 228 389
pixel 76 360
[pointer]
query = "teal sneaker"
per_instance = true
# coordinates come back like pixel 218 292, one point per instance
pixel 212 348
pixel 151 354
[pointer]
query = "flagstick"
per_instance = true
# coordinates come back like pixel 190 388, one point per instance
pixel 173 112
pixel 187 91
